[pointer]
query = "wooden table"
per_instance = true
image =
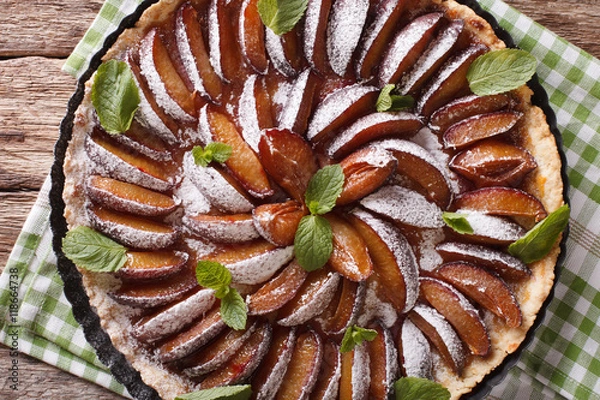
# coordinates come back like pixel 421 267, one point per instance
pixel 35 38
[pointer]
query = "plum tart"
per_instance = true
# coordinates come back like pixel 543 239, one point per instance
pixel 275 191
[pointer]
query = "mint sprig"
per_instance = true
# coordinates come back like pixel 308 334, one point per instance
pixel 233 392
pixel 115 96
pixel 387 101
pixel 216 276
pixel 355 336
pixel 313 243
pixel 538 241
pixel 500 71
pixel 214 151
pixel 281 15
pixel 458 222
pixel 413 388
pixel 93 251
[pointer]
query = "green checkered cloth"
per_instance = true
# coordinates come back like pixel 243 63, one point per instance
pixel 562 362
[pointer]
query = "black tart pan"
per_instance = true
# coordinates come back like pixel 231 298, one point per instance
pixel 73 286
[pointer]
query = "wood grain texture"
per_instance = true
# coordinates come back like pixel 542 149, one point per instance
pixel 35 36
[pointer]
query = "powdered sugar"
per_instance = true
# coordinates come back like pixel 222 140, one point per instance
pixel 247 114
pixel 290 111
pixel 493 227
pixel 187 56
pixel 346 24
pixel 405 206
pixel 274 46
pixel 155 82
pixel 260 268
pixel 416 352
pixel 335 105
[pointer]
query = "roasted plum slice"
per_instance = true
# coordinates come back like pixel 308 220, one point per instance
pixel 466 107
pixel 127 197
pixel 243 163
pixel 244 362
pixel 155 293
pixel 355 378
pixel 365 170
pixel 299 105
pixel 278 222
pixel 132 231
pixel 254 262
pixel 217 352
pixel 169 89
pixel 346 22
pixel 450 81
pixel 283 51
pixel 384 365
pixel 220 190
pixel 252 36
pixel 147 265
pixel 507 201
pixel 371 127
pixel 173 318
pixel 463 316
pixel 350 256
pixel 254 111
pixel 339 108
pixel 289 160
pixel 434 56
pixel 303 368
pixel 395 267
pixel 344 308
pixel 328 381
pixel 142 140
pixel 229 228
pixel 278 291
pixel 498 261
pixel 192 50
pixel 479 127
pixel 493 163
pixel 404 206
pixel 225 55
pixel 491 229
pixel 311 299
pixel 189 340
pixel 376 36
pixel 414 352
pixel 407 46
pixel 269 376
pixel 485 288
pixel 314 35
pixel 422 168
pixel 441 334
pixel 113 161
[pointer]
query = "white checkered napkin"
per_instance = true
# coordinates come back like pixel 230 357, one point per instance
pixel 563 361
pixel 44 326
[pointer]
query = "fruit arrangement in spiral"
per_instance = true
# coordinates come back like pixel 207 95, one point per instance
pixel 338 180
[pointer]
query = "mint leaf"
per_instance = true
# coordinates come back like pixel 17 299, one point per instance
pixel 214 151
pixel 213 275
pixel 216 276
pixel 313 242
pixel 458 222
pixel 412 388
pixel 115 96
pixel 392 102
pixel 233 310
pixel 234 392
pixel 500 71
pixel 93 251
pixel 281 15
pixel 324 188
pixel 355 336
pixel 538 242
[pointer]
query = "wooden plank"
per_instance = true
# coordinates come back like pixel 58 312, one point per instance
pixel 577 21
pixel 33 100
pixel 44 27
pixel 38 380
pixel 14 207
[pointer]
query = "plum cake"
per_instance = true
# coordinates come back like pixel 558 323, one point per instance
pixel 315 201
